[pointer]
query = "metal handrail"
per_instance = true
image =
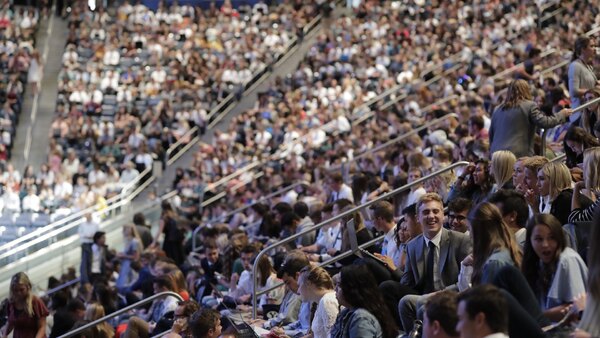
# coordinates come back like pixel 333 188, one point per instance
pixel 338 217
pixel 60 287
pixel 551 15
pixel 121 311
pixel 240 209
pixel 72 217
pixel 179 142
pixel 390 103
pixel 264 198
pixel 222 194
pixel 329 261
pixel 583 106
pixel 559 158
pixel 393 141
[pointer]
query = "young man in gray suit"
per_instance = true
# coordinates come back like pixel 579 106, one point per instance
pixel 433 258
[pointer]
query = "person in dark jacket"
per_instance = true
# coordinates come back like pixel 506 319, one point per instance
pixel 65 318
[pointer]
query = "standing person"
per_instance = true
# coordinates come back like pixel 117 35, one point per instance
pixel 34 74
pixel 26 312
pixel 86 231
pixel 515 120
pixel 581 72
pixel 130 254
pixel 173 242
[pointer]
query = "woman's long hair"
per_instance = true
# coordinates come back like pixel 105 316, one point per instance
pixel 95 311
pixel 517 91
pixel 539 276
pixel 503 162
pixel 558 176
pixel 360 290
pixel 489 233
pixel 20 278
pixel 591 174
pixel 587 113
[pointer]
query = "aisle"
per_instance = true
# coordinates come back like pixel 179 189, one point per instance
pixel 31 140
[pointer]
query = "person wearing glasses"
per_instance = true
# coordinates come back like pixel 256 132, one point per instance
pixel 458 209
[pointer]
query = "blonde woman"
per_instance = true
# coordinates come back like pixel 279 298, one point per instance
pixel 131 253
pixel 95 311
pixel 26 312
pixel 503 163
pixel 316 286
pixel 514 121
pixel 554 186
pixel 591 182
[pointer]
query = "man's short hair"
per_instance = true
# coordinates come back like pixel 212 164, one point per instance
pixel 428 197
pixel 460 204
pixel 288 218
pixel 383 209
pixel 534 163
pixel 487 299
pixel 478 121
pixel 301 209
pixel 512 201
pixel 337 178
pixel 203 321
pixel 442 307
pixel 294 261
pixel 249 249
pixel 189 307
pixel 410 211
pixel 211 245
pixel 282 207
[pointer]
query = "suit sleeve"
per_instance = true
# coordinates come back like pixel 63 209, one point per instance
pixel 544 121
pixel 462 251
pixel 407 276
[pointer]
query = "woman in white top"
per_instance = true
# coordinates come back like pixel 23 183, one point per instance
pixel 316 286
pixel 267 279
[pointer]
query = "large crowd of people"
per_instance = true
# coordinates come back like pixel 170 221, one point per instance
pixel 501 247
pixel 133 83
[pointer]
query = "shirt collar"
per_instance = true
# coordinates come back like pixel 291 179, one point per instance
pixel 436 239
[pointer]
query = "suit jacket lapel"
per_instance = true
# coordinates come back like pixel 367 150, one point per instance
pixel 444 250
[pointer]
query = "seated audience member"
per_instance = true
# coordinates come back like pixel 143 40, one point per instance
pixel 293 313
pixel 212 268
pixel 514 211
pixel 95 311
pixel 364 313
pixel 502 168
pixel 439 315
pixel 145 324
pixel 576 141
pixel 241 285
pixel 383 222
pixel 458 210
pixel 316 286
pixel 589 326
pixel 555 272
pixel 205 323
pixel 407 229
pixel 301 209
pixel 532 165
pixel 493 247
pixel 65 318
pixel 267 278
pixel 475 183
pixel 482 312
pixel 555 193
pixel 439 250
pixel 339 189
pixel 519 175
pixel 591 183
pixel 183 312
